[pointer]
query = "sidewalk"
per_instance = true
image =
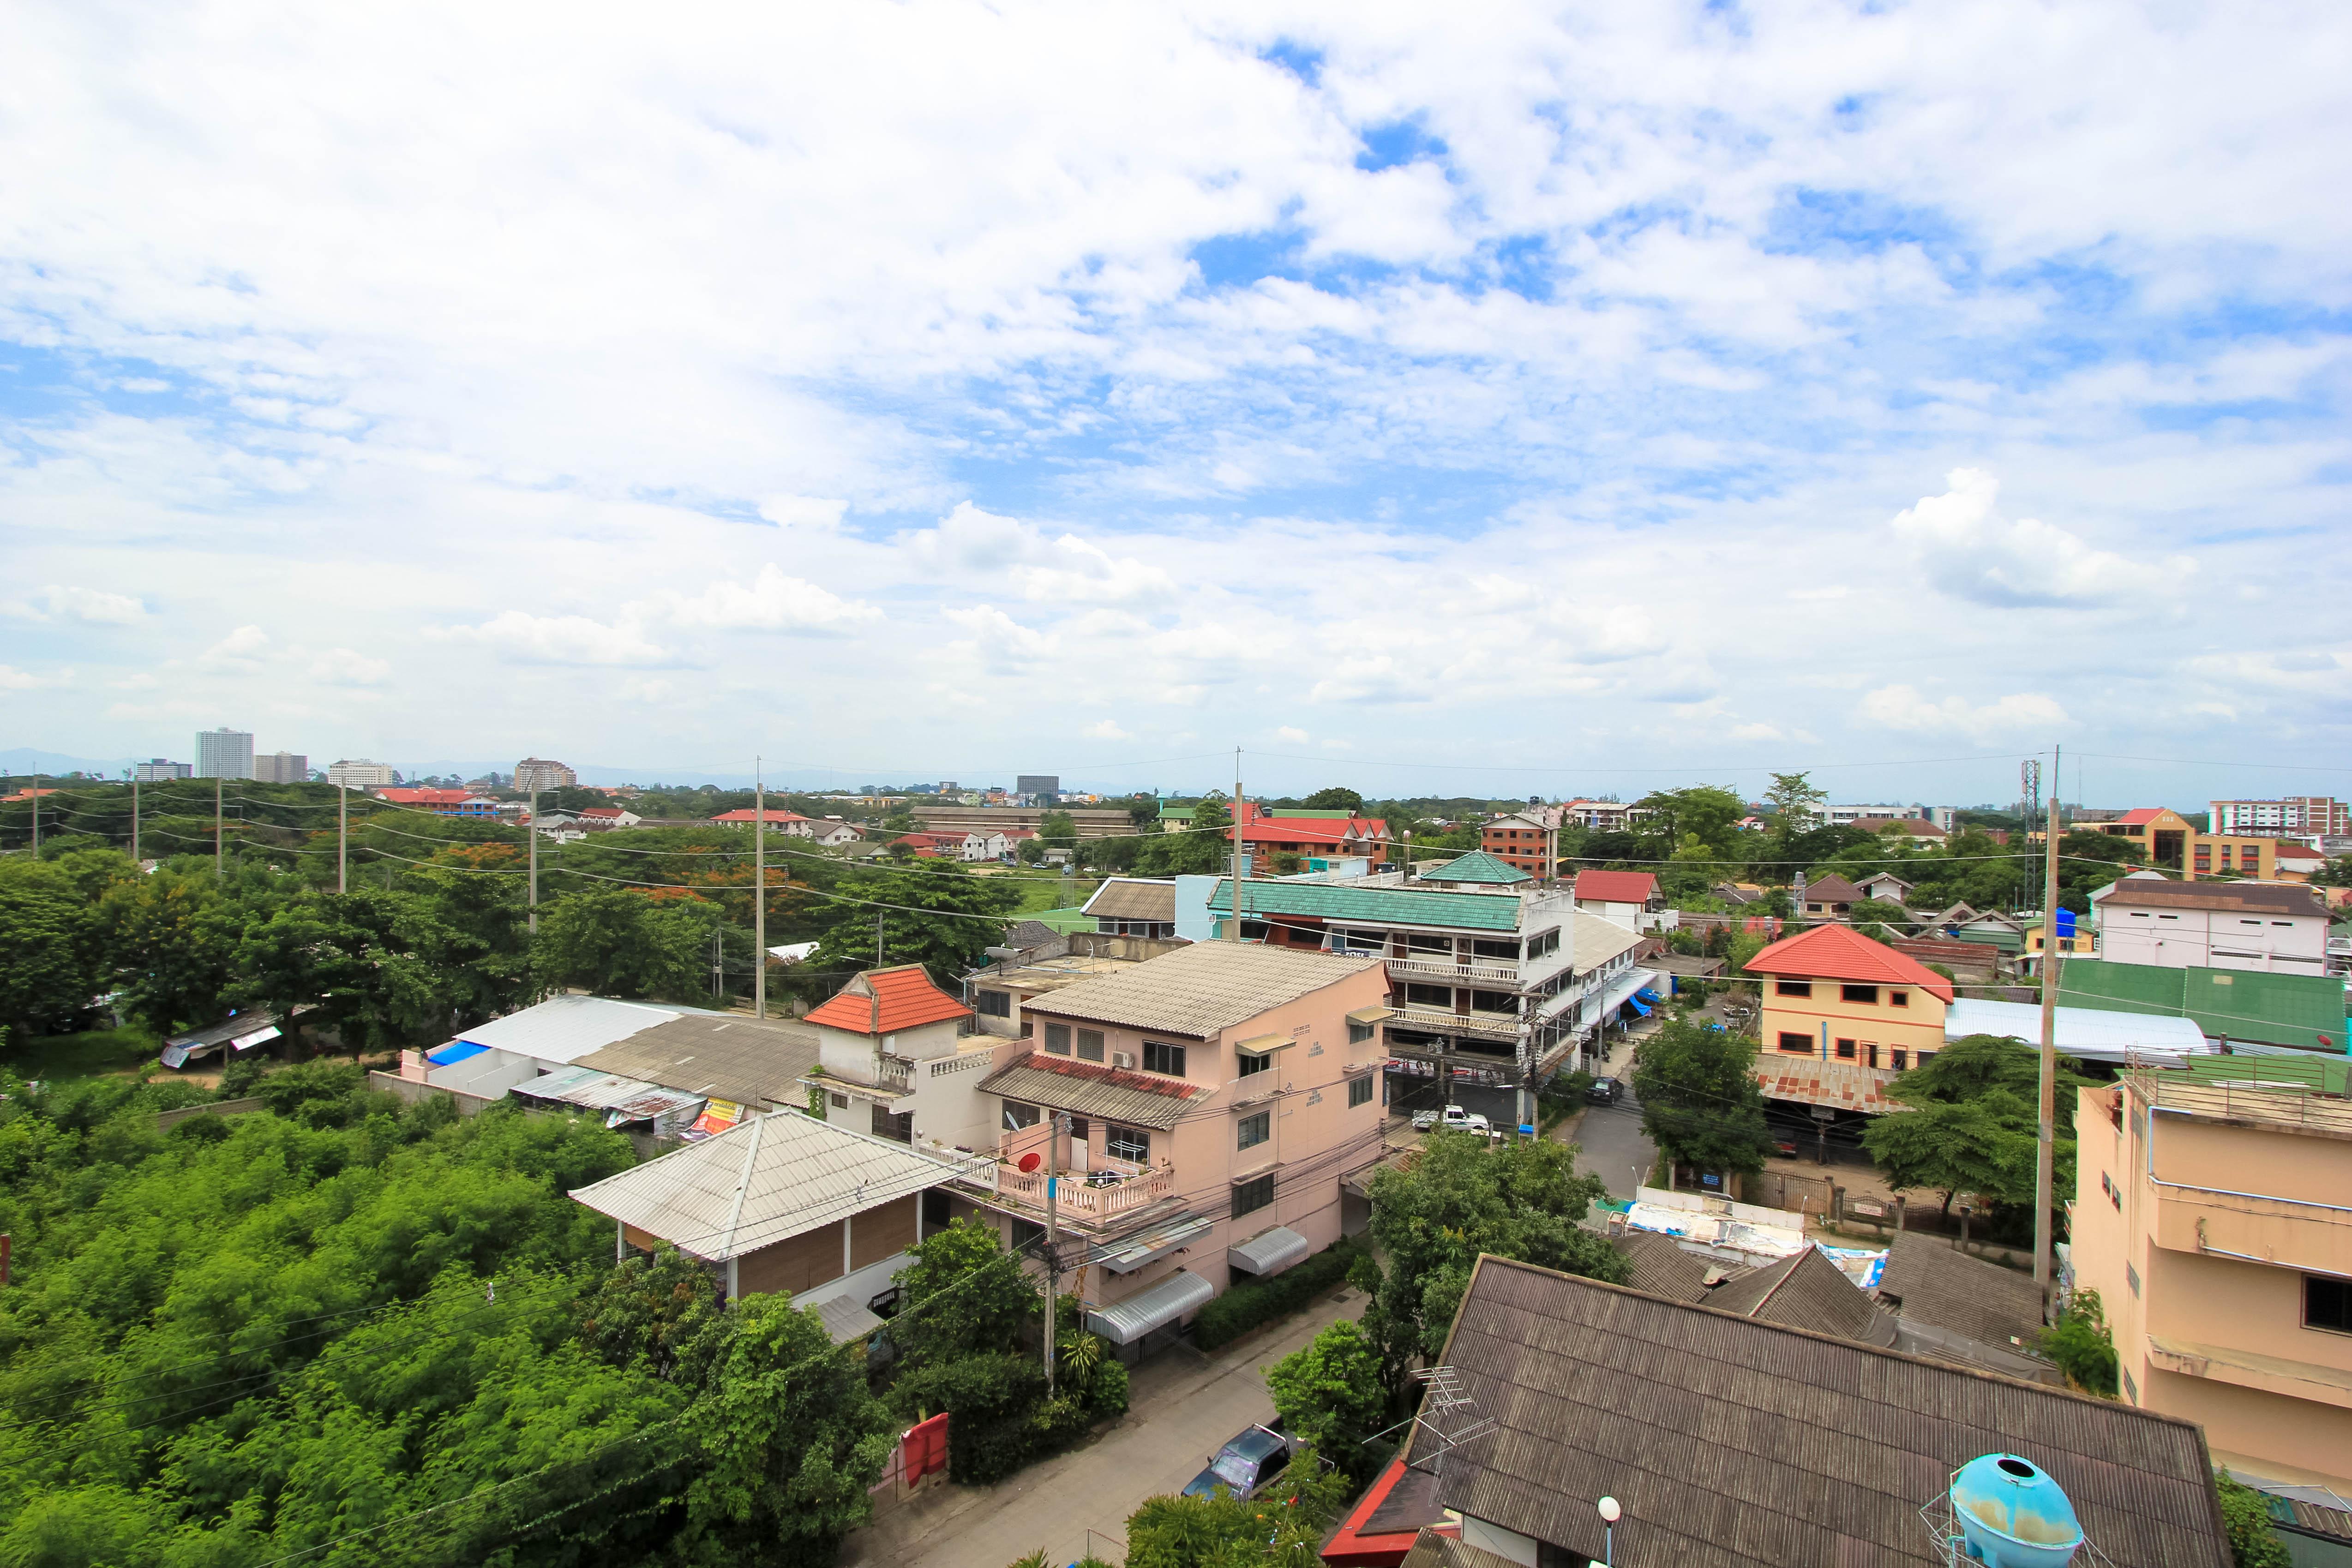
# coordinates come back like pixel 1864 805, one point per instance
pixel 1183 1405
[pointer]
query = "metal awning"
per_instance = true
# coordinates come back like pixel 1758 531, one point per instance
pixel 1268 1251
pixel 844 1319
pixel 1265 1044
pixel 1638 1004
pixel 1128 1253
pixel 1372 1015
pixel 1124 1322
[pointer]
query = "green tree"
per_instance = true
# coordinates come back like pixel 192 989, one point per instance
pixel 1284 1525
pixel 1971 1125
pixel 1880 920
pixel 620 942
pixel 1334 798
pixel 1700 1101
pixel 2246 1517
pixel 2080 1345
pixel 51 975
pixel 2336 873
pixel 933 912
pixel 1058 830
pixel 1328 1394
pixel 172 939
pixel 993 1298
pixel 1794 801
pixel 1704 811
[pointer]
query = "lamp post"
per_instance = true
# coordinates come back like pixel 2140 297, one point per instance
pixel 1610 1514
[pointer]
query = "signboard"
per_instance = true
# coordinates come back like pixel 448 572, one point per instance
pixel 1869 1210
pixel 718 1115
pixel 247 1041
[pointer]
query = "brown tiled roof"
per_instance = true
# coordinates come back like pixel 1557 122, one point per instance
pixel 2251 897
pixel 1932 1284
pixel 1806 1291
pixel 1136 1098
pixel 1833 889
pixel 1123 898
pixel 1656 1264
pixel 1200 990
pixel 1733 1443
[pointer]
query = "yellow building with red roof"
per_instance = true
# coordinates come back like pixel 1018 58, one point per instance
pixel 1843 1015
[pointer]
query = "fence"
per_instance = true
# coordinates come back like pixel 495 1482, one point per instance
pixel 1816 1197
pixel 415 1094
pixel 217 1108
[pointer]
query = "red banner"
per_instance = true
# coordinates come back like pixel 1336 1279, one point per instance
pixel 925 1449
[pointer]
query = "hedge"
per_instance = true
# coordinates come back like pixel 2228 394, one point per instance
pixel 1246 1306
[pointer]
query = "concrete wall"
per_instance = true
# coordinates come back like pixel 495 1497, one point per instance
pixel 1913 1028
pixel 2222 939
pixel 416 1094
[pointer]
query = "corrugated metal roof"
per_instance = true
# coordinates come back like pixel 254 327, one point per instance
pixel 2086 1033
pixel 845 1320
pixel 1124 1322
pixel 1268 1251
pixel 2233 1004
pixel 1593 941
pixel 1128 898
pixel 1806 1291
pixel 1478 866
pixel 563 1029
pixel 1129 1253
pixel 2237 897
pixel 1980 1300
pixel 1106 1094
pixel 631 1099
pixel 739 1059
pixel 1373 906
pixel 761 1181
pixel 1198 990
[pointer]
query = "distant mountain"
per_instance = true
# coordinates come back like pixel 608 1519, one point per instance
pixel 30 760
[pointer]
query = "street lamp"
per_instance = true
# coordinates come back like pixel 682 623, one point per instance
pixel 1610 1514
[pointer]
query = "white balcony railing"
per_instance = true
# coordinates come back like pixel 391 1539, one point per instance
pixel 1088 1197
pixel 1489 1025
pixel 1436 967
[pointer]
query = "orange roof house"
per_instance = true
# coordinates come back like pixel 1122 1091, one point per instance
pixel 1843 1015
pixel 886 1001
pixel 1637 887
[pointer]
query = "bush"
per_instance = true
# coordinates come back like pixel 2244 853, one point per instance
pixel 993 1401
pixel 1108 1394
pixel 2246 1515
pixel 2081 1346
pixel 1246 1306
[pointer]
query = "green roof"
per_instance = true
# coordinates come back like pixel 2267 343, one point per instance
pixel 1374 905
pixel 1176 813
pixel 1478 866
pixel 2301 1011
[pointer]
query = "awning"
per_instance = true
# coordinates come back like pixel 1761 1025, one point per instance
pixel 1638 1004
pixel 1128 1253
pixel 1268 1251
pixel 1372 1015
pixel 1649 995
pixel 1124 1322
pixel 456 1051
pixel 1265 1044
pixel 845 1319
pixel 247 1041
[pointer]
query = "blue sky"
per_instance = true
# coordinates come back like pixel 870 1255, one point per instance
pixel 1556 400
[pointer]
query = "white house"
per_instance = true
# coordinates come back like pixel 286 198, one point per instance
pixel 893 1060
pixel 2273 927
pixel 1886 887
pixel 833 832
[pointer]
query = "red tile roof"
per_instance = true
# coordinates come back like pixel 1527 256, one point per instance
pixel 1616 886
pixel 884 1002
pixel 746 814
pixel 426 796
pixel 1842 953
pixel 2142 817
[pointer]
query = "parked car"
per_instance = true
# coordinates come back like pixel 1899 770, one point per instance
pixel 1604 1092
pixel 1453 1117
pixel 1250 1463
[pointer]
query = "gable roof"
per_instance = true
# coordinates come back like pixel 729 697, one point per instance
pixel 746 814
pixel 737 1059
pixel 1616 886
pixel 1833 889
pixel 1806 1291
pixel 1735 1443
pixel 564 1028
pixel 1133 898
pixel 1842 953
pixel 1930 1283
pixel 1593 941
pixel 1373 906
pixel 2247 897
pixel 884 1002
pixel 1110 1093
pixel 1478 866
pixel 2141 816
pixel 1198 990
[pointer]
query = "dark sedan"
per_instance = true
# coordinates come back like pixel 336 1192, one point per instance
pixel 1250 1463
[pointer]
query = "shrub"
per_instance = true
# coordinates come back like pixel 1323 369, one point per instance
pixel 2080 1345
pixel 993 1402
pixel 1246 1306
pixel 1108 1393
pixel 2246 1516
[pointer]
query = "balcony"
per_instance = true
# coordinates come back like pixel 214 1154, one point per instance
pixel 1436 967
pixel 1445 1020
pixel 2254 1227
pixel 1097 1197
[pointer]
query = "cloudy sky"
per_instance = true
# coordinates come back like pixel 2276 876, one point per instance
pixel 1543 400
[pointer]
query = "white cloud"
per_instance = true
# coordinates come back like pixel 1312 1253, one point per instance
pixel 555 640
pixel 345 667
pixel 57 602
pixel 12 679
pixel 1972 552
pixel 645 689
pixel 2020 713
pixel 1755 732
pixel 242 649
pixel 1291 736
pixel 1105 729
pixel 771 603
pixel 803 511
pixel 1001 644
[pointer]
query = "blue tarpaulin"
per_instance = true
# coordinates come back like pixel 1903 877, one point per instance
pixel 1647 995
pixel 1635 1003
pixel 456 1052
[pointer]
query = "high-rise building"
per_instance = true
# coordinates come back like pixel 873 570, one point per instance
pixel 1037 788
pixel 2319 816
pixel 224 753
pixel 282 767
pixel 359 773
pixel 539 773
pixel 159 770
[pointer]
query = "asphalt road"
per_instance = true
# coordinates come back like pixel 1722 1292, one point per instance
pixel 1613 1145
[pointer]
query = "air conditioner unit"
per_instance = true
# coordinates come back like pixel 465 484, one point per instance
pixel 1123 1059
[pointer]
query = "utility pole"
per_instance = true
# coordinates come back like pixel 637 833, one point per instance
pixel 532 827
pixel 1055 1133
pixel 37 816
pixel 877 938
pixel 718 967
pixel 135 816
pixel 2045 1125
pixel 760 890
pixel 1235 934
pixel 217 838
pixel 343 838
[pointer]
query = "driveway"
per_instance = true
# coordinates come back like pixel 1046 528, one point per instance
pixel 1612 1143
pixel 1182 1405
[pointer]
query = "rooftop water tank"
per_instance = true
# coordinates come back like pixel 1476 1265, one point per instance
pixel 2012 1515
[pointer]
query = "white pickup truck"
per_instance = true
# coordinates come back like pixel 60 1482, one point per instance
pixel 1453 1117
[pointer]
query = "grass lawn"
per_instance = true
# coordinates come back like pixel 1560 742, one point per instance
pixel 1041 892
pixel 93 1054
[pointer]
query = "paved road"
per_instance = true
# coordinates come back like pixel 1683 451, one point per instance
pixel 1182 1407
pixel 1613 1145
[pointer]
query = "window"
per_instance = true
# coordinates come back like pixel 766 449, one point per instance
pixel 1926 1056
pixel 1793 988
pixel 1359 1090
pixel 1245 1064
pixel 996 1004
pixel 1845 1050
pixel 1252 1131
pixel 1017 1116
pixel 1130 1143
pixel 1429 996
pixel 1902 1059
pixel 1090 1045
pixel 1858 994
pixel 838 1102
pixel 1057 1039
pixel 2328 1303
pixel 1167 1059
pixel 1251 1196
pixel 1796 1044
pixel 1028 1028
pixel 1898 998
pixel 1358 1032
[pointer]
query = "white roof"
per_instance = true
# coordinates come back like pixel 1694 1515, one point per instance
pixel 1593 940
pixel 792 952
pixel 2094 1034
pixel 762 1181
pixel 563 1028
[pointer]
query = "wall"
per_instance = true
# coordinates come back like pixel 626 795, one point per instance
pixel 2180 939
pixel 415 1094
pixel 1917 1027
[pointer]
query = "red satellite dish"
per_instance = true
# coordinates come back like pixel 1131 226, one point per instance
pixel 1031 1161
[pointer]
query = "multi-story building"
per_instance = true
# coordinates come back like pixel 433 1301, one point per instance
pixel 1490 991
pixel 2209 1215
pixel 359 773
pixel 1325 834
pixel 282 767
pixel 1627 897
pixel 2175 843
pixel 894 1059
pixel 1525 839
pixel 1944 817
pixel 158 771
pixel 1600 816
pixel 539 773
pixel 2308 816
pixel 1843 1015
pixel 2275 927
pixel 441 803
pixel 224 753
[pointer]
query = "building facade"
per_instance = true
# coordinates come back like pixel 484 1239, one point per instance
pixel 2209 1215
pixel 359 773
pixel 539 773
pixel 224 753
pixel 1524 840
pixel 1843 1015
pixel 442 802
pixel 894 1059
pixel 157 769
pixel 2277 928
pixel 2311 816
pixel 282 767
pixel 2175 843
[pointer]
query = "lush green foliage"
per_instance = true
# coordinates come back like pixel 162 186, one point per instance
pixel 1247 1303
pixel 49 935
pixel 945 936
pixel 1328 1394
pixel 1521 1199
pixel 1700 1103
pixel 1282 1525
pixel 2246 1515
pixel 2080 1345
pixel 1972 1124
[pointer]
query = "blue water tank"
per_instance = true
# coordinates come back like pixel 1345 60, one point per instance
pixel 2012 1515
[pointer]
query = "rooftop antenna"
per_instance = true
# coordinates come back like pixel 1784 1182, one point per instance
pixel 1448 1413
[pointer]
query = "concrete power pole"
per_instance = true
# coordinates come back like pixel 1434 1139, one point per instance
pixel 343 838
pixel 1054 1133
pixel 532 827
pixel 2045 1125
pixel 759 890
pixel 1235 934
pixel 37 816
pixel 135 816
pixel 218 838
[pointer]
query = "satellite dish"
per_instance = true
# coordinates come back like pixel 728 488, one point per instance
pixel 1030 1161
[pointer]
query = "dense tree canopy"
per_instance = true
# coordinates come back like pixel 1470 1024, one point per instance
pixel 1972 1121
pixel 1700 1101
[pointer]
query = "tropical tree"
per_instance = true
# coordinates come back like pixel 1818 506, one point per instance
pixel 1334 798
pixel 1700 1101
pixel 933 912
pixel 627 943
pixel 1972 1122
pixel 52 974
pixel 1328 1394
pixel 1707 812
pixel 1794 803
